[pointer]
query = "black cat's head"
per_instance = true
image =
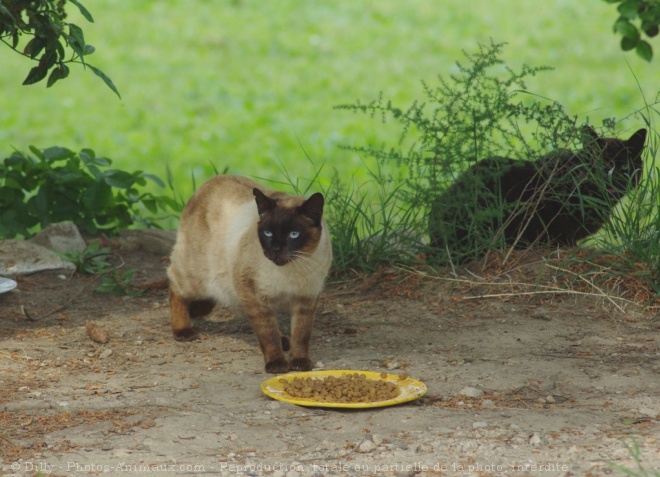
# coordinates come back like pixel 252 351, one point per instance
pixel 621 159
pixel 287 231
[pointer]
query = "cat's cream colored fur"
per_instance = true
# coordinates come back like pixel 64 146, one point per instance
pixel 218 258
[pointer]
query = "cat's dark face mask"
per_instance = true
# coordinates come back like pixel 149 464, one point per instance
pixel 620 161
pixel 623 162
pixel 287 234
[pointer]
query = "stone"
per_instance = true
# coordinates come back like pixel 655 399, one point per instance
pixel 535 440
pixel 158 242
pixel 471 392
pixel 19 257
pixel 366 446
pixel 62 237
pixel 488 404
pixel 547 385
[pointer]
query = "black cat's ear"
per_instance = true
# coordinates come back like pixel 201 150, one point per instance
pixel 589 133
pixel 636 142
pixel 312 208
pixel 264 203
pixel 590 138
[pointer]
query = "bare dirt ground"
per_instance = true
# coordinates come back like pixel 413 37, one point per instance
pixel 559 383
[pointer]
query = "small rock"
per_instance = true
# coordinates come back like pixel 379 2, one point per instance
pixel 535 440
pixel 550 399
pixel 471 392
pixel 366 446
pixel 62 237
pixel 232 437
pixel 487 404
pixel 547 385
pixel 105 353
pixel 19 257
pixel 650 412
pixel 479 424
pixel 96 332
pixel 158 242
pixel 376 439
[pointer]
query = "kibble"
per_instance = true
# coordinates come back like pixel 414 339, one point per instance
pixel 350 387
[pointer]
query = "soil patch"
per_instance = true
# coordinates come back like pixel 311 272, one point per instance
pixel 524 377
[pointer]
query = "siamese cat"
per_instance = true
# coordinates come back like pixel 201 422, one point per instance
pixel 555 200
pixel 239 244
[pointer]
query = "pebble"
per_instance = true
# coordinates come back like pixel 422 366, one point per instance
pixel 105 353
pixel 547 385
pixel 535 440
pixel 366 446
pixel 550 399
pixel 487 404
pixel 479 424
pixel 471 392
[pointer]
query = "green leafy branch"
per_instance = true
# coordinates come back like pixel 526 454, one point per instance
pixel 56 184
pixel 51 38
pixel 636 19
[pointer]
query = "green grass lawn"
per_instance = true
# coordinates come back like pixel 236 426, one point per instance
pixel 250 85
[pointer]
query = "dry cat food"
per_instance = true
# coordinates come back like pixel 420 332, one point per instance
pixel 353 387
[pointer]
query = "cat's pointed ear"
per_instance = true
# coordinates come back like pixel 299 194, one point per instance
pixel 590 138
pixel 312 208
pixel 636 142
pixel 264 203
pixel 589 133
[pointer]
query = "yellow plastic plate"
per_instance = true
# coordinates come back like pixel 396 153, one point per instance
pixel 411 389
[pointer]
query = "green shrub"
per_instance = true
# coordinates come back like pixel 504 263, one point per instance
pixel 56 184
pixel 482 111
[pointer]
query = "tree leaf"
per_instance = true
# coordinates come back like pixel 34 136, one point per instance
pixel 105 79
pixel 35 75
pixel 119 179
pixel 76 40
pixel 56 153
pixel 58 73
pixel 628 44
pixel 97 196
pixel 644 50
pixel 34 47
pixel 85 13
pixel 154 179
pixel 625 28
pixel 650 29
pixel 629 9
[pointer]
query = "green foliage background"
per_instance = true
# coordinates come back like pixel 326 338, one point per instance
pixel 250 85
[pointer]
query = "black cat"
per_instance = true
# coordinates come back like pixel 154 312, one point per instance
pixel 555 200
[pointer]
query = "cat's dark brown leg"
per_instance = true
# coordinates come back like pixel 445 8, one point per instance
pixel 302 319
pixel 265 328
pixel 264 324
pixel 182 327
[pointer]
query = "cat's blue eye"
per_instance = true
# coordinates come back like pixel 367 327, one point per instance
pixel 268 233
pixel 294 234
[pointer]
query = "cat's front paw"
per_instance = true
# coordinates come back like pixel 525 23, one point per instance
pixel 301 364
pixel 277 366
pixel 187 334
